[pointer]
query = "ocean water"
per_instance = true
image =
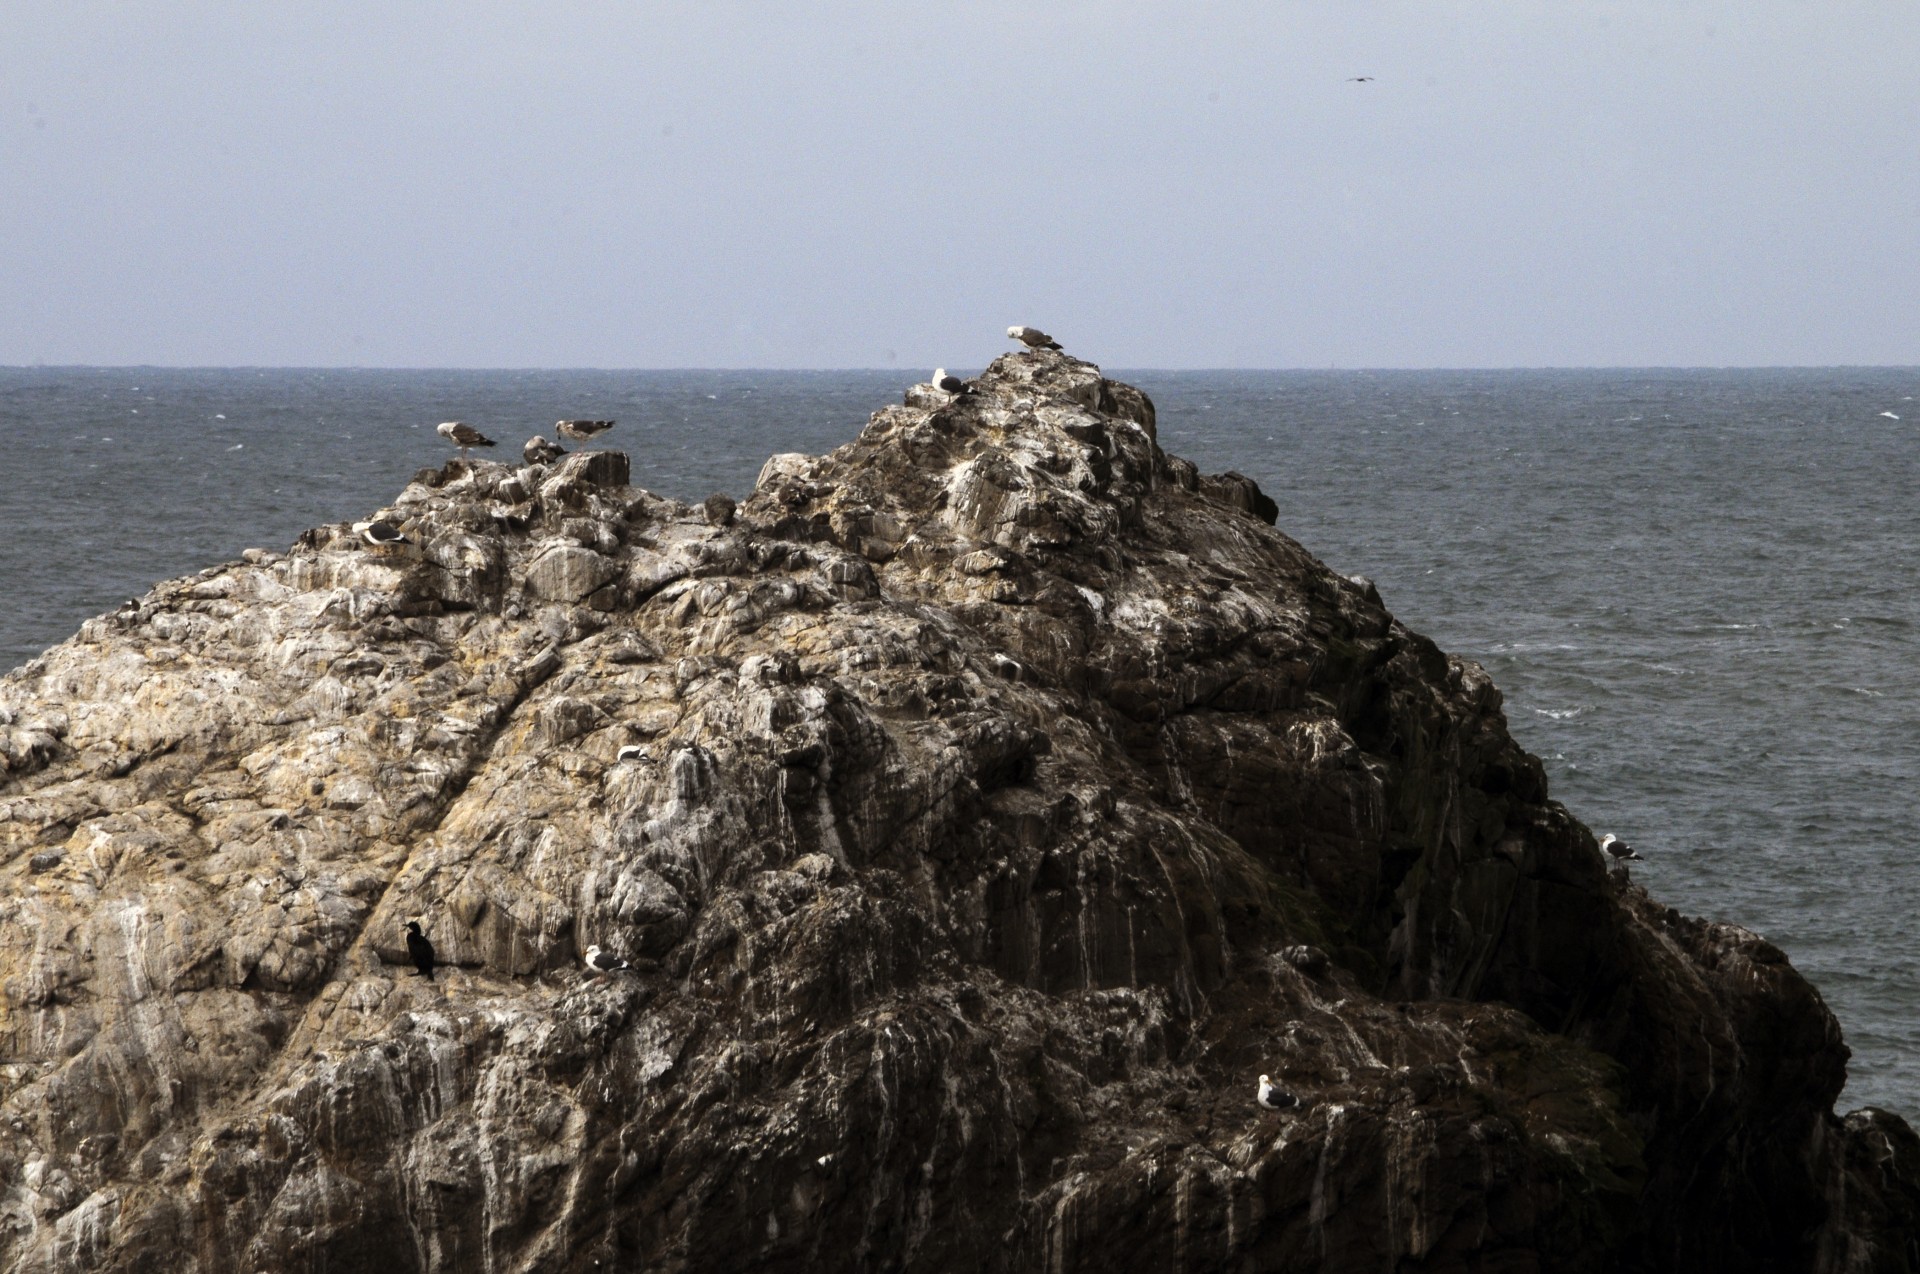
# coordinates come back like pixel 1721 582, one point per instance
pixel 1698 589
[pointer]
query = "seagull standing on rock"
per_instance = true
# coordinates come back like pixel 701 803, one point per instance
pixel 463 435
pixel 951 384
pixel 1033 338
pixel 599 961
pixel 1618 848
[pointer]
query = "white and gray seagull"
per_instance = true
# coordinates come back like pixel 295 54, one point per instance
pixel 1032 338
pixel 1618 848
pixel 951 384
pixel 599 961
pixel 463 435
pixel 541 449
pixel 1274 1097
pixel 380 533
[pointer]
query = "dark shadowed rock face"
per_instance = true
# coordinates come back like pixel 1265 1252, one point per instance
pixel 983 808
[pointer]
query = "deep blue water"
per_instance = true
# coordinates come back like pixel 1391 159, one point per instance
pixel 1697 588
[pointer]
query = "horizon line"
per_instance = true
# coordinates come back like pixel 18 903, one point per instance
pixel 908 367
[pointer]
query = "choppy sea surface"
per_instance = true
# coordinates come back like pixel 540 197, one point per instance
pixel 1698 589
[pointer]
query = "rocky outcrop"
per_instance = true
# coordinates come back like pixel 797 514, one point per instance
pixel 983 807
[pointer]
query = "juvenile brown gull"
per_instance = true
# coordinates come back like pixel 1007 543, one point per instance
pixel 581 430
pixel 463 435
pixel 1033 338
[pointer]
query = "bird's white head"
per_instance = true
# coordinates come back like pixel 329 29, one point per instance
pixel 939 374
pixel 1607 840
pixel 593 951
pixel 1015 331
pixel 1264 1081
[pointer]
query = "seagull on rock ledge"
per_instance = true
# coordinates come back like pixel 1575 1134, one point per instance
pixel 1273 1097
pixel 599 961
pixel 1033 338
pixel 541 449
pixel 380 533
pixel 463 435
pixel 1618 848
pixel 951 384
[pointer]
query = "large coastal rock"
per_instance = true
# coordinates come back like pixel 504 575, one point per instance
pixel 983 808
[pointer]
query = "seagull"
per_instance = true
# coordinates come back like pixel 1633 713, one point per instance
pixel 420 949
pixel 631 752
pixel 1273 1097
pixel 463 435
pixel 581 430
pixel 381 533
pixel 1618 848
pixel 599 961
pixel 1032 338
pixel 541 449
pixel 952 384
pixel 1889 415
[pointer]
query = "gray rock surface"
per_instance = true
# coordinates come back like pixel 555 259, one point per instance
pixel 982 806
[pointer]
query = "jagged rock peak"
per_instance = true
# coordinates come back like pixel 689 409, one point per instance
pixel 982 809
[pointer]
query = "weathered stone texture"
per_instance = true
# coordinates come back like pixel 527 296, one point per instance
pixel 983 807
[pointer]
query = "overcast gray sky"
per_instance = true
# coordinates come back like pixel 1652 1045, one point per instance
pixel 859 185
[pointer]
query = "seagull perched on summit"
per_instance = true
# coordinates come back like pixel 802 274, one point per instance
pixel 1032 338
pixel 581 430
pixel 1618 848
pixel 604 961
pixel 463 435
pixel 951 384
